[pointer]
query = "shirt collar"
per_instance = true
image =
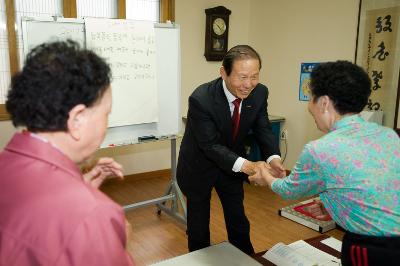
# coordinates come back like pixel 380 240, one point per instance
pixel 228 94
pixel 347 120
pixel 40 149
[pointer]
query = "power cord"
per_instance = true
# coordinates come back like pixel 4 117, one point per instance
pixel 286 149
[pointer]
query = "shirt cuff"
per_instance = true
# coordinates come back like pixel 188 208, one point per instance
pixel 270 158
pixel 238 164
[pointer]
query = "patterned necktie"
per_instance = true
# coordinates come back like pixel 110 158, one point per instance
pixel 236 118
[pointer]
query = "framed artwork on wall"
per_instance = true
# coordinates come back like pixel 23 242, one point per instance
pixel 378 52
pixel 305 78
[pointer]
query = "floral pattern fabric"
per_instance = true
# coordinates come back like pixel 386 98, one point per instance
pixel 355 169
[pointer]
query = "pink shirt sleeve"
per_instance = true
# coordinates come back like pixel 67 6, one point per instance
pixel 99 240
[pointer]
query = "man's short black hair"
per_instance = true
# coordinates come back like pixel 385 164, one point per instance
pixel 239 52
pixel 346 84
pixel 56 77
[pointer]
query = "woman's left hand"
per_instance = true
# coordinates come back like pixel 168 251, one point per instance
pixel 104 168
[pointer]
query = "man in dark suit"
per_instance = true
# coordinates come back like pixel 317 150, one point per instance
pixel 221 114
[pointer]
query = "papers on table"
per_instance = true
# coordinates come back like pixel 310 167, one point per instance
pixel 299 253
pixel 281 254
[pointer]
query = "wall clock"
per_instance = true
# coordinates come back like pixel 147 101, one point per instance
pixel 217 28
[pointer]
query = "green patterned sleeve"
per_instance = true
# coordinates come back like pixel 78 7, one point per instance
pixel 306 179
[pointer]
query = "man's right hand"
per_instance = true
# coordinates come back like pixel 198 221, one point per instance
pixel 251 168
pixel 263 175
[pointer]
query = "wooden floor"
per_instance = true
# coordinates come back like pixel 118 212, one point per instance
pixel 159 237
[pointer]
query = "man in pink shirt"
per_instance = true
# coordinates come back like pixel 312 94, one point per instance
pixel 49 213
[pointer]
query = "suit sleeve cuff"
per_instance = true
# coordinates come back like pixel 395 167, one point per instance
pixel 238 164
pixel 270 158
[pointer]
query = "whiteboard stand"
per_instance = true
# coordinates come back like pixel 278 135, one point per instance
pixel 173 194
pixel 167 40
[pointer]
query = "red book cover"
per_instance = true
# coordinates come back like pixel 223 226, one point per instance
pixel 306 209
pixel 308 215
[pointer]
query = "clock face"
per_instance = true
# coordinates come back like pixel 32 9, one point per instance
pixel 219 26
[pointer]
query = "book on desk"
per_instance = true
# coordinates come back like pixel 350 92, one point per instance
pixel 298 213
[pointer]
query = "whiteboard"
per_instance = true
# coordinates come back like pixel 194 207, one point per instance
pixel 167 40
pixel 129 47
pixel 37 31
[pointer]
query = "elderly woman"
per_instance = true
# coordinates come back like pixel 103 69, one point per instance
pixel 355 167
pixel 50 214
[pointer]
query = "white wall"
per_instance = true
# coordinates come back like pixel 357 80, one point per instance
pixel 190 15
pixel 6 131
pixel 285 32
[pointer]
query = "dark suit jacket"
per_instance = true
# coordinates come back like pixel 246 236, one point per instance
pixel 208 150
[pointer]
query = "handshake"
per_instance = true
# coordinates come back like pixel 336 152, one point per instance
pixel 262 173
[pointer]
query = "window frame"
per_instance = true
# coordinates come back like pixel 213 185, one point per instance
pixel 167 12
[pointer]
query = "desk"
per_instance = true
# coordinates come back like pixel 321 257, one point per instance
pixel 223 254
pixel 314 241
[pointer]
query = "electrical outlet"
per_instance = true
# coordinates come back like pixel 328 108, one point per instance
pixel 284 134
